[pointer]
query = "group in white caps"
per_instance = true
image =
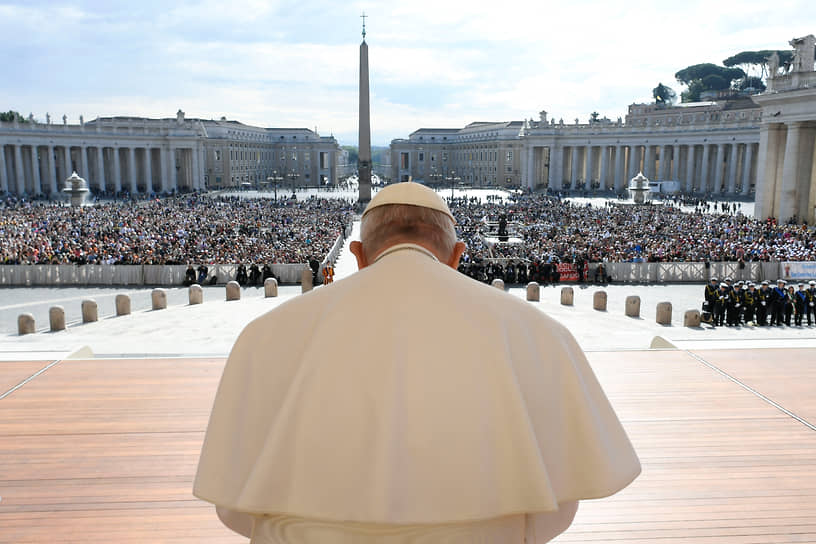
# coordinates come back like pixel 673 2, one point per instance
pixel 734 304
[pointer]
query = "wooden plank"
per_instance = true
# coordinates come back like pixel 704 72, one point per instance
pixel 14 372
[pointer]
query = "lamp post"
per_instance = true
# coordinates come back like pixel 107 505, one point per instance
pixel 274 179
pixel 293 176
pixel 453 180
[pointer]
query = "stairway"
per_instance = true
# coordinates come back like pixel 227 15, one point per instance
pixel 346 263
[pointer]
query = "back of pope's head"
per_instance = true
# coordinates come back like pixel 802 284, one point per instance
pixel 408 212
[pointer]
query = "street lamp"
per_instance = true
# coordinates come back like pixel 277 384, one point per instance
pixel 293 176
pixel 274 179
pixel 452 177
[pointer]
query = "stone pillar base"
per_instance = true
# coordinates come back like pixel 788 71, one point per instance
pixel 270 287
pixel 567 296
pixel 498 284
pixel 306 281
pixel 599 301
pixel 664 313
pixel 158 299
pixel 633 306
pixel 195 294
pixel 533 292
pixel 90 311
pixel 691 318
pixel 25 324
pixel 56 318
pixel 233 291
pixel 122 305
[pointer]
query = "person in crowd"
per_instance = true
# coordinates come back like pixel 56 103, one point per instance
pixel 241 275
pixel 189 276
pixel 711 296
pixel 790 304
pixel 764 299
pixel 811 304
pixel 254 275
pixel 203 271
pixel 800 300
pixel 749 302
pixel 778 299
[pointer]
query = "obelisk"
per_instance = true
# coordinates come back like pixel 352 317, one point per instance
pixel 364 151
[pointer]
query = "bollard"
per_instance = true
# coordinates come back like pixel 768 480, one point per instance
pixel 233 291
pixel 633 306
pixel 90 311
pixel 691 318
pixel 56 318
pixel 158 299
pixel 122 305
pixel 498 283
pixel 566 296
pixel 306 284
pixel 599 301
pixel 195 294
pixel 664 313
pixel 533 292
pixel 270 287
pixel 25 324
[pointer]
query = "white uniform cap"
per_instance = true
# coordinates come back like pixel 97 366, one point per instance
pixel 410 194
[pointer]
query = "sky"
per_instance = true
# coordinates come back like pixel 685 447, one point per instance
pixel 432 63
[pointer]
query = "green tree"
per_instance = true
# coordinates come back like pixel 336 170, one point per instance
pixel 706 77
pixel 757 60
pixel 352 152
pixel 692 94
pixel 11 116
pixel 755 83
pixel 664 95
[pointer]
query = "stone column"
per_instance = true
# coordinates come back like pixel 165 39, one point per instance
pixel 35 169
pixel 364 129
pixel 574 168
pixel 664 171
pixel 52 171
pixel 649 167
pixel 163 166
pixel 195 169
pixel 556 167
pixel 100 167
pixel 620 164
pixel 690 169
pixel 634 162
pixel 19 170
pixel 675 169
pixel 3 177
pixel 590 166
pixel 732 169
pixel 117 170
pixel 770 140
pixel 530 181
pixel 704 168
pixel 747 161
pixel 83 162
pixel 791 172
pixel 718 172
pixel 134 189
pixel 69 164
pixel 605 150
pixel 148 171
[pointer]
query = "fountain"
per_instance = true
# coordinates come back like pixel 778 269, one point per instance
pixel 639 188
pixel 77 188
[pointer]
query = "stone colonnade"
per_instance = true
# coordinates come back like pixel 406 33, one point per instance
pixel 711 167
pixel 42 168
pixel 787 158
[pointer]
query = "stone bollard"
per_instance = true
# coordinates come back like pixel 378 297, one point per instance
pixel 233 291
pixel 566 296
pixel 122 305
pixel 498 284
pixel 90 311
pixel 56 318
pixel 599 301
pixel 664 313
pixel 306 284
pixel 25 324
pixel 691 318
pixel 195 294
pixel 270 287
pixel 158 299
pixel 533 292
pixel 633 306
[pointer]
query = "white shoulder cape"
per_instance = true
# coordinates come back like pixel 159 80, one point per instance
pixel 408 394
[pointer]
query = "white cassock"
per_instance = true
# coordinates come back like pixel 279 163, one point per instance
pixel 408 403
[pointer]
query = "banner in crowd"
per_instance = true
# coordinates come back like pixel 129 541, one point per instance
pixel 568 271
pixel 799 270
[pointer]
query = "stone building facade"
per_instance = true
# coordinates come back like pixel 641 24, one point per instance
pixel 142 155
pixel 710 147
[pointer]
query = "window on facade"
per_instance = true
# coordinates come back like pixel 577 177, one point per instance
pixel 294 155
pixel 404 160
pixel 444 157
pixel 217 155
pixel 324 160
pixel 509 156
pixel 421 157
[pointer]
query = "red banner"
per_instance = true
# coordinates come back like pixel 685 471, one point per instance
pixel 568 271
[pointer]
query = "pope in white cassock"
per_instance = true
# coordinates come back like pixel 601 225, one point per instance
pixel 408 403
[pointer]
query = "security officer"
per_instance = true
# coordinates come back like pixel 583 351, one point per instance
pixel 732 306
pixel 800 300
pixel 777 303
pixel 710 297
pixel 763 301
pixel 811 306
pixel 749 304
pixel 720 306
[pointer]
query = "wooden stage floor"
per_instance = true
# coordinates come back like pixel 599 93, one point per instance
pixel 102 451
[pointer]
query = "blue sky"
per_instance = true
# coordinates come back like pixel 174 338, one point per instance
pixel 432 63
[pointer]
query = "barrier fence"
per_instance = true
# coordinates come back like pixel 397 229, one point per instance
pixel 45 275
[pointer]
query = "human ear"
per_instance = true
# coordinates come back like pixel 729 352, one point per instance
pixel 456 255
pixel 356 248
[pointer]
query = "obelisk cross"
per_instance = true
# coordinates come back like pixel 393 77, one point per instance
pixel 363 16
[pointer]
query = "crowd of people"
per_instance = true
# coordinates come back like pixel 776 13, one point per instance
pixel 552 230
pixel 733 304
pixel 181 229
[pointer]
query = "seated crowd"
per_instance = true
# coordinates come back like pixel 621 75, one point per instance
pixel 175 230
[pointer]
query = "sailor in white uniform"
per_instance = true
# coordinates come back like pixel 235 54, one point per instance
pixel 408 403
